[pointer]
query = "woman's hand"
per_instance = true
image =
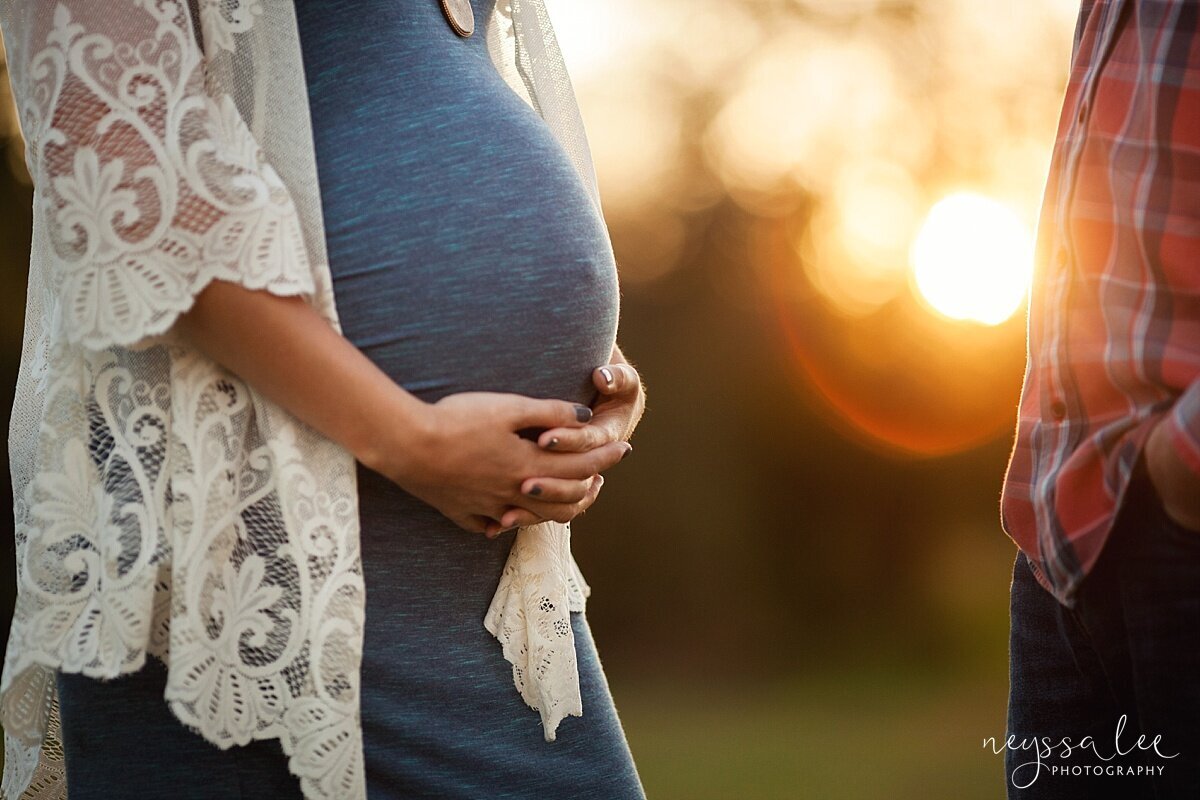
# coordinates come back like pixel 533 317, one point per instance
pixel 614 417
pixel 464 457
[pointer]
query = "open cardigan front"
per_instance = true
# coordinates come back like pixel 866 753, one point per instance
pixel 163 507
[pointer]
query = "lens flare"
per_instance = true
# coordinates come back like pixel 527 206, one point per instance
pixel 973 259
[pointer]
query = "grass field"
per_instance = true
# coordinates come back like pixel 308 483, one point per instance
pixel 840 737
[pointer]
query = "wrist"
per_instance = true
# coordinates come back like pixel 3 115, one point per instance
pixel 1175 483
pixel 396 442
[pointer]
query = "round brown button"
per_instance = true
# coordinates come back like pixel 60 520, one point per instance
pixel 460 16
pixel 1058 409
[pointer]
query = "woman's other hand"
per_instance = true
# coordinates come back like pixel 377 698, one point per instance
pixel 614 417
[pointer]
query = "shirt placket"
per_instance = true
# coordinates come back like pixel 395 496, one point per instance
pixel 1059 403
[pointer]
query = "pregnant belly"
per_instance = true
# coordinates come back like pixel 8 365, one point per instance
pixel 475 269
pixel 483 286
pixel 465 250
pixel 528 321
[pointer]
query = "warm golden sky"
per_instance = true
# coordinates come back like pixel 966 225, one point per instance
pixel 874 111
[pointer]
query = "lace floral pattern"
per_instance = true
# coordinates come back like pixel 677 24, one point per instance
pixel 531 616
pixel 169 510
pixel 163 508
pixel 163 191
pixel 221 19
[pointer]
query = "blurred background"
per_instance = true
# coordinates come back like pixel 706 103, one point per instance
pixel 823 215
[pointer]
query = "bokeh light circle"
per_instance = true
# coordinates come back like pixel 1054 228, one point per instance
pixel 973 259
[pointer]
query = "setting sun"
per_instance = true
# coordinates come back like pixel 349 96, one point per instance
pixel 973 259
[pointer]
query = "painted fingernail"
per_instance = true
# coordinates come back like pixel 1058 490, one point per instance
pixel 608 375
pixel 582 413
pixel 628 450
pixel 536 490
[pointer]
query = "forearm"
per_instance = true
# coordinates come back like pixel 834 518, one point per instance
pixel 284 349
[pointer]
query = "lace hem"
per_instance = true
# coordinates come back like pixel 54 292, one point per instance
pixel 530 616
pixel 35 771
pixel 321 746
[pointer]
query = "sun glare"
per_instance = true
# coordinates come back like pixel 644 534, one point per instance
pixel 973 259
pixel 590 34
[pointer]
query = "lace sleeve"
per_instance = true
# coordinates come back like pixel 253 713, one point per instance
pixel 162 507
pixel 149 185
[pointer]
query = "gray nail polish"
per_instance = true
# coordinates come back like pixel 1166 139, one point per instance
pixel 582 413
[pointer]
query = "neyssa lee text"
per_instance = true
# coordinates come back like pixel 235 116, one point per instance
pixel 1045 747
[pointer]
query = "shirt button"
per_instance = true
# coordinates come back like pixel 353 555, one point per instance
pixel 1083 110
pixel 1058 409
pixel 1061 258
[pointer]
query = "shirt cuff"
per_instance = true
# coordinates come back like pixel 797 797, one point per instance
pixel 1183 427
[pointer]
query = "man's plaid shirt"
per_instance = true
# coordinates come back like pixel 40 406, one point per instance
pixel 1114 318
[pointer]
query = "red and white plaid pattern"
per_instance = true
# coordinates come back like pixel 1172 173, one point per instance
pixel 1114 318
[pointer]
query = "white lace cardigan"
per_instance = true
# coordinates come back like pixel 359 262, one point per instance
pixel 162 506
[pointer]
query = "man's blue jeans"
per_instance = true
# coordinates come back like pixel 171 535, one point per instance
pixel 1130 650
